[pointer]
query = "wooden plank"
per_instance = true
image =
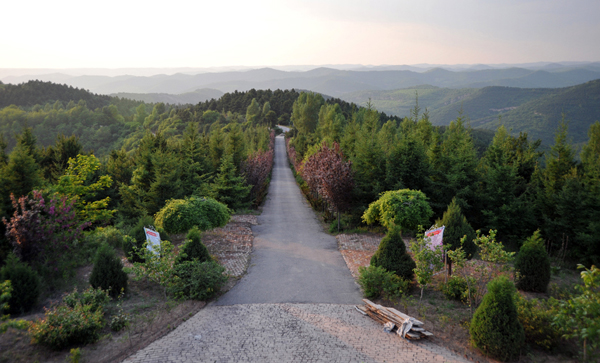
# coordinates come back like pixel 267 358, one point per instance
pixel 414 328
pixel 404 316
pixel 413 336
pixel 361 309
pixel 426 333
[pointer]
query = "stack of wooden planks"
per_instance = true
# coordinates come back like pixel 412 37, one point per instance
pixel 414 328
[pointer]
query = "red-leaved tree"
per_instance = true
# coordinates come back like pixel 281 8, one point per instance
pixel 256 170
pixel 335 178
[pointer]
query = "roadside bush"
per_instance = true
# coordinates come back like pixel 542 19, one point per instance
pixel 376 281
pixel 455 288
pixel 180 215
pixel 108 273
pixel 536 317
pixel 193 248
pixel 64 326
pixel 392 256
pixel 532 265
pixel 5 291
pixel 25 284
pixel 198 280
pixel 495 328
pixel 134 247
pixel 95 298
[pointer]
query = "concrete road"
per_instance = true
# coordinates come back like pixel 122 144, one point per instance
pixel 293 260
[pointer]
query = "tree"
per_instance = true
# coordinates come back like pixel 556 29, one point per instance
pixel 305 112
pixel 22 173
pixel 532 265
pixel 406 209
pixel 229 188
pixel 391 255
pixel 456 226
pixel 108 273
pixel 495 328
pixel 253 112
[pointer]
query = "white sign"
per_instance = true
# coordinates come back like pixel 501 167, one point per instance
pixel 436 237
pixel 153 239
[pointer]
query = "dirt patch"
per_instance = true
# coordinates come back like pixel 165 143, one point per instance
pixel 152 315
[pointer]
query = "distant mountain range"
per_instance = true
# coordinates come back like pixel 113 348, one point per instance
pixel 330 81
pixel 535 111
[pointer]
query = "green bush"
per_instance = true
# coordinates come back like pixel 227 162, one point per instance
pixel 198 280
pixel 133 246
pixel 457 226
pixel 536 317
pixel 5 291
pixel 108 273
pixel 193 248
pixel 180 215
pixel 392 256
pixel 96 299
pixel 532 266
pixel 64 326
pixel 495 328
pixel 455 288
pixel 109 235
pixel 376 281
pixel 25 284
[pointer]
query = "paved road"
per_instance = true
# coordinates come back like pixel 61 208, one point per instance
pixel 295 304
pixel 293 260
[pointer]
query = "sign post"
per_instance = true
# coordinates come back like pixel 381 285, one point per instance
pixel 153 239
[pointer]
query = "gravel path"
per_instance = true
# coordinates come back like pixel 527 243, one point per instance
pixel 295 304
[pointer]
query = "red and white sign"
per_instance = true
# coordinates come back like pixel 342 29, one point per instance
pixel 435 237
pixel 153 239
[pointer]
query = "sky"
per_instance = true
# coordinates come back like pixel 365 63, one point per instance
pixel 220 33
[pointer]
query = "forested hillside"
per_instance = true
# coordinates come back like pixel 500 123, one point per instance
pixel 194 97
pixel 506 187
pixel 536 111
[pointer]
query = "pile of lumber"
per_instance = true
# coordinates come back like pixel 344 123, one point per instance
pixel 394 321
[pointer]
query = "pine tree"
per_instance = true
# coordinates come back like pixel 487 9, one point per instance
pixel 532 265
pixel 392 256
pixel 108 273
pixel 456 226
pixel 229 188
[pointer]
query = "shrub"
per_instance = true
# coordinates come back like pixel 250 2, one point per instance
pixel 455 288
pixel 180 215
pixel 392 256
pixel 376 281
pixel 536 317
pixel 133 247
pixel 532 265
pixel 65 326
pixel 193 248
pixel 95 298
pixel 495 328
pixel 108 273
pixel 198 280
pixel 25 284
pixel 457 226
pixel 109 235
pixel 5 291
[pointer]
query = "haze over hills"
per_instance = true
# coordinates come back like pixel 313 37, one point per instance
pixel 330 81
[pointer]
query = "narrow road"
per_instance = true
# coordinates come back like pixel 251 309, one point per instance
pixel 295 304
pixel 293 260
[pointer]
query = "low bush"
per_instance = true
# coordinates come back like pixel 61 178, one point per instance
pixel 376 281
pixel 96 299
pixel 180 215
pixel 5 291
pixel 193 248
pixel 536 317
pixel 25 284
pixel 495 328
pixel 392 256
pixel 109 235
pixel 198 280
pixel 455 288
pixel 134 244
pixel 64 326
pixel 108 273
pixel 532 265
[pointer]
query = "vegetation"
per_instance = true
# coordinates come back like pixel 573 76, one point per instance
pixel 532 265
pixel 376 281
pixel 193 248
pixel 24 285
pixel 108 273
pixel 391 255
pixel 495 328
pixel 180 215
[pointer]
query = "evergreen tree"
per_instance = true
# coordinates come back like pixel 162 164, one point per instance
pixel 532 265
pixel 456 226
pixel 193 248
pixel 253 112
pixel 108 273
pixel 229 188
pixel 392 256
pixel 305 112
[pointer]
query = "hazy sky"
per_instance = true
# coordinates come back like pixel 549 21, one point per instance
pixel 123 33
